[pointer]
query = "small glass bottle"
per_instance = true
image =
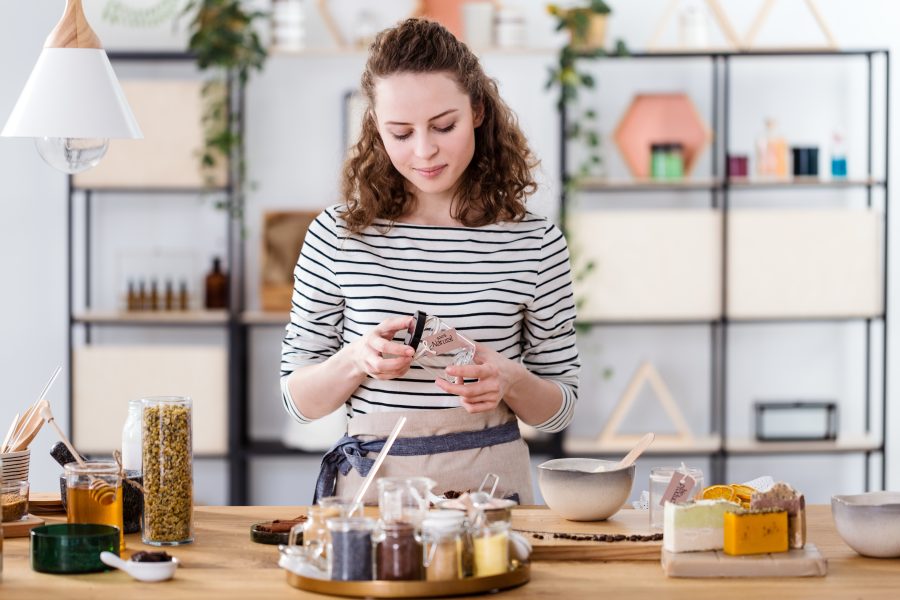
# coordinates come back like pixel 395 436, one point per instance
pixel 771 153
pixel 142 302
pixel 154 295
pixel 170 296
pixel 131 437
pixel 658 161
pixel 438 345
pixel 838 157
pixel 216 287
pixel 166 432
pixel 675 161
pixel 183 299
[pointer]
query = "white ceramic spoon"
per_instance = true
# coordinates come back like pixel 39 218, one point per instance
pixel 142 571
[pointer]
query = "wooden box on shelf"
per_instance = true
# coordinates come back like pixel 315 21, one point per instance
pixel 282 237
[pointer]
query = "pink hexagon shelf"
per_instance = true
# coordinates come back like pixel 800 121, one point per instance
pixel 660 118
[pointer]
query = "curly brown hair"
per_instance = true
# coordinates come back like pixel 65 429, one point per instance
pixel 497 181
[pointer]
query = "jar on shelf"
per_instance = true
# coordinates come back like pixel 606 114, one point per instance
pixel 166 424
pixel 444 545
pixel 131 437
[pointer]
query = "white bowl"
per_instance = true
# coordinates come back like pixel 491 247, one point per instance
pixel 869 523
pixel 572 491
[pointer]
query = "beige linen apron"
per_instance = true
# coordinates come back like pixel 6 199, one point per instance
pixel 461 470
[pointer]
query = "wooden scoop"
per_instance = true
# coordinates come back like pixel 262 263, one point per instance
pixel 100 491
pixel 9 434
pixel 638 449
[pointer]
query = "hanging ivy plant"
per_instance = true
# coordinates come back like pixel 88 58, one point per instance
pixel 224 40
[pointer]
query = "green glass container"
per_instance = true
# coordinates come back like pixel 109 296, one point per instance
pixel 674 161
pixel 72 547
pixel 658 156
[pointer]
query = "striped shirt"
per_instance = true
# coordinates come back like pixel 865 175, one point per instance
pixel 506 285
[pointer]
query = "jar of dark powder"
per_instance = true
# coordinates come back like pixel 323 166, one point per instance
pixel 350 549
pixel 398 552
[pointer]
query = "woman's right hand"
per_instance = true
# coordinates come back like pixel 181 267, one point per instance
pixel 379 357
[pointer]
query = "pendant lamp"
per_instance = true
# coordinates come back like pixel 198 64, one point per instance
pixel 72 103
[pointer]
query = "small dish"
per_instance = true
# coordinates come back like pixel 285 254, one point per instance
pixel 582 489
pixel 150 572
pixel 869 523
pixel 261 533
pixel 72 547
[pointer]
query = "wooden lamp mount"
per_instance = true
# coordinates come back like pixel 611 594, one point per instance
pixel 73 30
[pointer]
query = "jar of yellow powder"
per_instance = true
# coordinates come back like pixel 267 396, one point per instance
pixel 491 548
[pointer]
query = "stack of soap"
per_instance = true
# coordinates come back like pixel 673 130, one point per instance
pixel 695 526
pixel 783 497
pixel 756 532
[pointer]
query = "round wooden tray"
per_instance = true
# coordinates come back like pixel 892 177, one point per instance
pixel 413 589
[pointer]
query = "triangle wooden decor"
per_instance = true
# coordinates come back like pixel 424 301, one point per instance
pixel 646 373
pixel 763 14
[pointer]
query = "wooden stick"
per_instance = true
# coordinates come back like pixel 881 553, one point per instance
pixel 758 22
pixel 381 456
pixel 724 23
pixel 814 9
pixel 663 22
pixel 9 433
pixel 330 23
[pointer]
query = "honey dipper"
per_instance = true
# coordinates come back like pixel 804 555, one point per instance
pixel 100 491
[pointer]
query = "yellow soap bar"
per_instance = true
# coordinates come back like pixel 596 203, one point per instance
pixel 756 532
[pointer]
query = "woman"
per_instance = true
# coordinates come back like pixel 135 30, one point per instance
pixel 434 220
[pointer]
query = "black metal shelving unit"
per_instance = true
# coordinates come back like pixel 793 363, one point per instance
pixel 721 190
pixel 81 199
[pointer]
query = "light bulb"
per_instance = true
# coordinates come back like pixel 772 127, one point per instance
pixel 71 155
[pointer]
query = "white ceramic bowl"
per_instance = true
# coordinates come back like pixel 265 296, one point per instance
pixel 572 491
pixel 869 523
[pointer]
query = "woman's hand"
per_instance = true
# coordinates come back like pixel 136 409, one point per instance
pixel 495 373
pixel 376 355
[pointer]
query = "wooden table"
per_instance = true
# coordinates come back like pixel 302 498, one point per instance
pixel 223 563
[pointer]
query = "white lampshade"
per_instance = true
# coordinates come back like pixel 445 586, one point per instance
pixel 72 93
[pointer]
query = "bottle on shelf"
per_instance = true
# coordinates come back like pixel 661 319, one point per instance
pixel 183 298
pixel 838 157
pixel 154 295
pixel 143 301
pixel 131 301
pixel 216 287
pixel 169 302
pixel 771 153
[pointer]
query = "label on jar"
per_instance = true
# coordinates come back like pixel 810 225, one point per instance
pixel 445 341
pixel 679 489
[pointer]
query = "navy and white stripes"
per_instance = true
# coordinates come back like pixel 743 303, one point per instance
pixel 507 286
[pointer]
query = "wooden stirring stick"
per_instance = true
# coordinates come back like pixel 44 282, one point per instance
pixel 357 500
pixel 101 492
pixel 31 421
pixel 12 428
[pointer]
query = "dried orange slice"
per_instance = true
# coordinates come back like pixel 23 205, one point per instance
pixel 716 492
pixel 744 492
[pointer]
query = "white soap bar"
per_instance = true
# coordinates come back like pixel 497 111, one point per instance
pixel 696 526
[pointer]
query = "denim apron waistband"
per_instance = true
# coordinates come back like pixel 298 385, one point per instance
pixel 350 453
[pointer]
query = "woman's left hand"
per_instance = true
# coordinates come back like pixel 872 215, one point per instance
pixel 495 373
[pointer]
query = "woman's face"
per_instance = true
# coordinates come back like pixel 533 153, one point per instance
pixel 428 129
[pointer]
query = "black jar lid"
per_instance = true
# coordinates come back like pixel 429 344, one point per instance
pixel 414 334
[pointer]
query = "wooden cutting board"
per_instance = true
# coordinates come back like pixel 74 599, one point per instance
pixel 806 562
pixel 21 528
pixel 538 523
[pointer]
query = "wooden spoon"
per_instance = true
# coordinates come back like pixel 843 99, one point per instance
pixel 638 449
pixel 29 428
pixel 100 491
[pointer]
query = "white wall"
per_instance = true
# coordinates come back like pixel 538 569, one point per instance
pixel 294 151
